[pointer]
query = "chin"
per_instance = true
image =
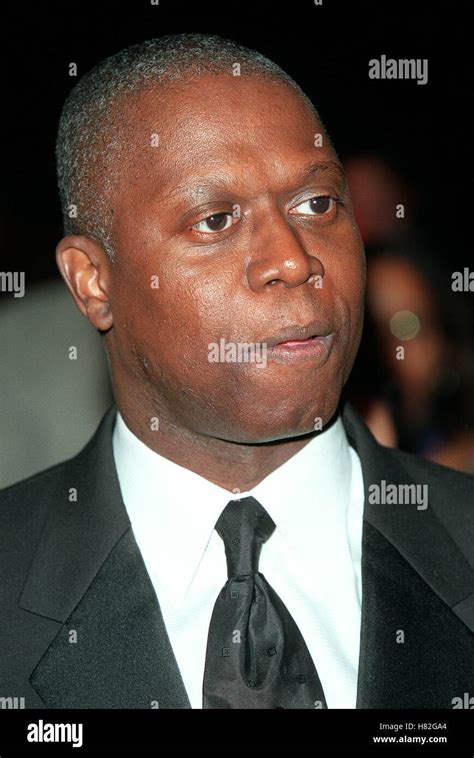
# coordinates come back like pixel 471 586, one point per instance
pixel 270 427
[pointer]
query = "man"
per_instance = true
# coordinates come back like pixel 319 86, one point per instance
pixel 232 536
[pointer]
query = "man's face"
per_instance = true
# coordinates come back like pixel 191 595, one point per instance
pixel 219 237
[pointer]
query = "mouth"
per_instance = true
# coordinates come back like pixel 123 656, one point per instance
pixel 312 341
pixel 298 333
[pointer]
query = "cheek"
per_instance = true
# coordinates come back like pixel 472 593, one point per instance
pixel 347 296
pixel 346 278
pixel 180 320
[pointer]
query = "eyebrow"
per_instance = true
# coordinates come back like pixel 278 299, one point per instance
pixel 197 185
pixel 315 168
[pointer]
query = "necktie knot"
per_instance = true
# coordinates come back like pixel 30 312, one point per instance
pixel 244 526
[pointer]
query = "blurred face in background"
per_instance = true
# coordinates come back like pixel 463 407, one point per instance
pixel 403 307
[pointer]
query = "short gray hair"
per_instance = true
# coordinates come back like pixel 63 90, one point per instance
pixel 87 136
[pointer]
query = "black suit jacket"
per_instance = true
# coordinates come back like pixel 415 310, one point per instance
pixel 73 571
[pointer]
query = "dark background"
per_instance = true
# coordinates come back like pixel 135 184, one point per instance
pixel 427 130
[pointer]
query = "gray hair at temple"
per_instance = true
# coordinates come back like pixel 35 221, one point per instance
pixel 90 140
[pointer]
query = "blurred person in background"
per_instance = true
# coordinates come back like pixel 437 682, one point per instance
pixel 54 380
pixel 419 395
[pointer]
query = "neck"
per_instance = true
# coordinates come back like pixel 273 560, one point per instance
pixel 235 466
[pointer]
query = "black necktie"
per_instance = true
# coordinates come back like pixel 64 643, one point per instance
pixel 256 656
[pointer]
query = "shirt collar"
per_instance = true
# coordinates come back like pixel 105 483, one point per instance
pixel 173 510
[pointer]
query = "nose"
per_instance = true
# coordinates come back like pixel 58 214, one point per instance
pixel 279 256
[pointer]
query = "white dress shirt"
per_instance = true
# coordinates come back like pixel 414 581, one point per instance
pixel 312 559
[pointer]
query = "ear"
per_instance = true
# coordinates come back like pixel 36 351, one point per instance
pixel 85 267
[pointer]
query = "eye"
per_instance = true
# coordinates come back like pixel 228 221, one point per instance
pixel 218 222
pixel 320 205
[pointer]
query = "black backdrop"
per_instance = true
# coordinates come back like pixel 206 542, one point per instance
pixel 426 129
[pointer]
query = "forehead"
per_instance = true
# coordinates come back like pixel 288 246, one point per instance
pixel 219 123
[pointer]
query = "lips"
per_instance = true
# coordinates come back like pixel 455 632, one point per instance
pixel 298 334
pixel 291 343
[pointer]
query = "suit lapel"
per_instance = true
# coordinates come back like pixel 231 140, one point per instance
pixel 110 648
pixel 417 642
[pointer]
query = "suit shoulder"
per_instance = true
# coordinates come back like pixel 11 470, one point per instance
pixel 23 505
pixel 450 495
pixel 445 481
